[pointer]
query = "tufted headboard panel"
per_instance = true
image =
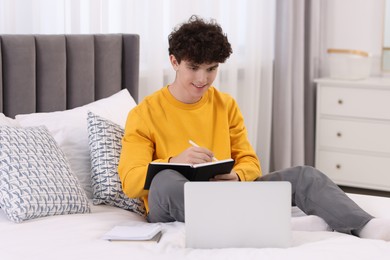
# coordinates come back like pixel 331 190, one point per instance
pixel 45 73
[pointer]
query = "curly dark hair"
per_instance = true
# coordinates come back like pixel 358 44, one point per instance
pixel 199 42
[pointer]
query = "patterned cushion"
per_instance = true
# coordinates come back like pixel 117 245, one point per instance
pixel 105 142
pixel 35 178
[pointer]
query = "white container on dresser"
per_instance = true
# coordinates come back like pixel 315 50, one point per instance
pixel 353 132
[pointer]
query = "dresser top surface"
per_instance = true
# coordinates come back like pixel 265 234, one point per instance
pixel 375 81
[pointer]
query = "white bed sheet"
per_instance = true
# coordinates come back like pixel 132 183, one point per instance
pixel 79 237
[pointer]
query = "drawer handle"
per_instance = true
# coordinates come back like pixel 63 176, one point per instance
pixel 340 101
pixel 338 166
pixel 339 134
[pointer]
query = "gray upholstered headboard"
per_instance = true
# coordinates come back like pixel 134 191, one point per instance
pixel 45 73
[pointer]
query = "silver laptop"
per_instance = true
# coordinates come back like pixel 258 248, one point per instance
pixel 237 214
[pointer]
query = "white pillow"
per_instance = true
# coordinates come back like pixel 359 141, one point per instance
pixel 7 121
pixel 35 177
pixel 69 129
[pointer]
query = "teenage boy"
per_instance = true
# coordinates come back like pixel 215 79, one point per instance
pixel 190 108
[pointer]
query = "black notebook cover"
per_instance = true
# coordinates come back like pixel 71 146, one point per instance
pixel 193 172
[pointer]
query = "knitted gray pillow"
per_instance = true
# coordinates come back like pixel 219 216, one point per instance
pixel 35 177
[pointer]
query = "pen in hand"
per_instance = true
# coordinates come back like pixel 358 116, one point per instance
pixel 195 145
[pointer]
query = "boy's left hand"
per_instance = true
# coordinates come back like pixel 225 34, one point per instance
pixel 232 176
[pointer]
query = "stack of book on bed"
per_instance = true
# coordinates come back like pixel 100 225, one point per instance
pixel 145 232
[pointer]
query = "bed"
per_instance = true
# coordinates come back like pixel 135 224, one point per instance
pixel 64 101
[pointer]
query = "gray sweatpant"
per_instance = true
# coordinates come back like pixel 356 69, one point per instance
pixel 312 191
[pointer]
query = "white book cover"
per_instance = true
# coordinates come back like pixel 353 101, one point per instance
pixel 143 232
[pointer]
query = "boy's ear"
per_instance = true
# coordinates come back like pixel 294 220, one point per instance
pixel 174 62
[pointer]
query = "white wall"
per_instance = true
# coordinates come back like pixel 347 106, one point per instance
pixel 354 24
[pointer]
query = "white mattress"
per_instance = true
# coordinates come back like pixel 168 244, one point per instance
pixel 79 237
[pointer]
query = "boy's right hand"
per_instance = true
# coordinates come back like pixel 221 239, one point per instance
pixel 193 155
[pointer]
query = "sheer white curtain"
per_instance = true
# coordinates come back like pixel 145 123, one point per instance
pixel 249 25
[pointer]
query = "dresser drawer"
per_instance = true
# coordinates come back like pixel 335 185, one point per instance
pixel 354 135
pixel 355 170
pixel 354 102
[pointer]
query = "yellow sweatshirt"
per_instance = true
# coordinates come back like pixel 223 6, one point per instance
pixel 161 126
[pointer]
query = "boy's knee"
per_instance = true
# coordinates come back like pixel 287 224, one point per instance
pixel 166 181
pixel 163 175
pixel 311 174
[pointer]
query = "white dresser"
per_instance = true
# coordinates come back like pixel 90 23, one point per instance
pixel 353 132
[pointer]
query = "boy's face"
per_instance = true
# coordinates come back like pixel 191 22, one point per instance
pixel 192 80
